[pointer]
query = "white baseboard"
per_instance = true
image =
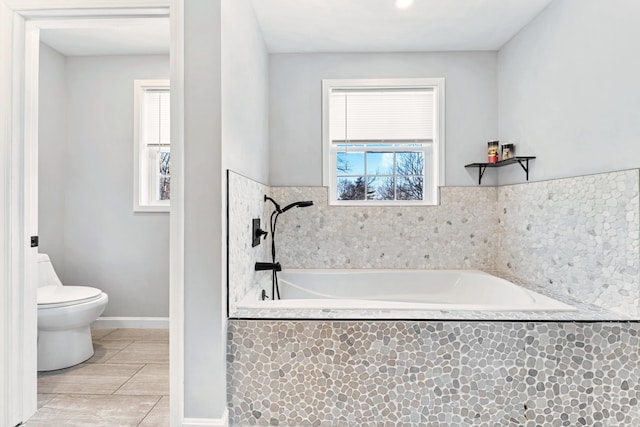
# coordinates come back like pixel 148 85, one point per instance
pixel 131 322
pixel 208 422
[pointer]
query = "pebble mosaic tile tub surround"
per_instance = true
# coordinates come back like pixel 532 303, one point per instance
pixel 458 233
pixel 579 236
pixel 575 237
pixel 245 202
pixel 392 373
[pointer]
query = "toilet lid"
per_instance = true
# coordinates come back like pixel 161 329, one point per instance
pixel 66 294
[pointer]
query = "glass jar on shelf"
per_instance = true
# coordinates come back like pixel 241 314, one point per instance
pixel 508 151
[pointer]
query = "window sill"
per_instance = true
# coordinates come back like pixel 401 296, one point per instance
pixel 160 209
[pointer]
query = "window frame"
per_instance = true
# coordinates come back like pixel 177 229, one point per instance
pixel 329 174
pixel 140 162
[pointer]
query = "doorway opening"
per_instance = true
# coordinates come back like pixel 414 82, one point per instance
pixel 22 45
pixel 87 225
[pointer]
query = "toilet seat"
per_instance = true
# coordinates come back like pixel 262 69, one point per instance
pixel 62 296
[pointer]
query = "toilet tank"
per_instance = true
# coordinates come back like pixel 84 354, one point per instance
pixel 46 274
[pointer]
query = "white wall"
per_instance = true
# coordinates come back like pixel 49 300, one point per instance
pixel 105 243
pixel 52 145
pixel 204 289
pixel 569 91
pixel 245 68
pixel 295 137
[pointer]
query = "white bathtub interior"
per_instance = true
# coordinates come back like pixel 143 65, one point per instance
pixel 357 289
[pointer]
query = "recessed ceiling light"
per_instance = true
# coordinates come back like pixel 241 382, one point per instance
pixel 403 4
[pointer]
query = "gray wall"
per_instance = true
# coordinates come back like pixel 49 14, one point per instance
pixel 295 115
pixel 204 289
pixel 226 67
pixel 245 85
pixel 245 103
pixel 105 244
pixel 245 137
pixel 569 91
pixel 52 150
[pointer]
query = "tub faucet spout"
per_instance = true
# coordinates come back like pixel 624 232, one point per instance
pixel 262 266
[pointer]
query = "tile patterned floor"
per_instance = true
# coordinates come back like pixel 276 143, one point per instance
pixel 125 383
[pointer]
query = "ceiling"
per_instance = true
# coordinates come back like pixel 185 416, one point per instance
pixel 290 26
pixel 325 26
pixel 136 36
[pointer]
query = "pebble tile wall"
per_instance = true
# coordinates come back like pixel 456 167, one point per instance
pixel 410 373
pixel 575 237
pixel 245 202
pixel 461 232
pixel 579 236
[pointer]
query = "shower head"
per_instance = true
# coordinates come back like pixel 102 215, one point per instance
pixel 303 204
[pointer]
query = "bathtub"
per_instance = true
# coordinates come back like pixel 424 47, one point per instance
pixel 369 289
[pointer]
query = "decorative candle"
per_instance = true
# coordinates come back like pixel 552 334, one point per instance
pixel 492 151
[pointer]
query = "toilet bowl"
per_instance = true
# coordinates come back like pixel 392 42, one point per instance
pixel 64 316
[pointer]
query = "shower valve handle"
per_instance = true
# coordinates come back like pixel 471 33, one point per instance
pixel 263 266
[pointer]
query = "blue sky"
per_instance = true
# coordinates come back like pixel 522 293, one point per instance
pixel 377 163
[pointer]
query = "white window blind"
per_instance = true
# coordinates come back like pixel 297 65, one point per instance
pixel 381 115
pixel 156 117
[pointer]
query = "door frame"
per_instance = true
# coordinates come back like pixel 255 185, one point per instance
pixel 20 21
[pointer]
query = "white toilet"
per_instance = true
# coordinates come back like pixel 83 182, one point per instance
pixel 64 316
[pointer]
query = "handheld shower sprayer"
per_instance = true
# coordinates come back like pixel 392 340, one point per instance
pixel 279 210
pixel 303 204
pixel 273 221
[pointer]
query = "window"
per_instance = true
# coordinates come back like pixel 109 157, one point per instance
pixel 152 146
pixel 383 141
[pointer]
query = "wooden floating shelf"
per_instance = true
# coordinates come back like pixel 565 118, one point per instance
pixel 523 161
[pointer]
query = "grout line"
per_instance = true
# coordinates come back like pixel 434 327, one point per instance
pixel 119 351
pixel 149 412
pixel 105 360
pixel 52 396
pixel 104 336
pixel 95 395
pixel 128 379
